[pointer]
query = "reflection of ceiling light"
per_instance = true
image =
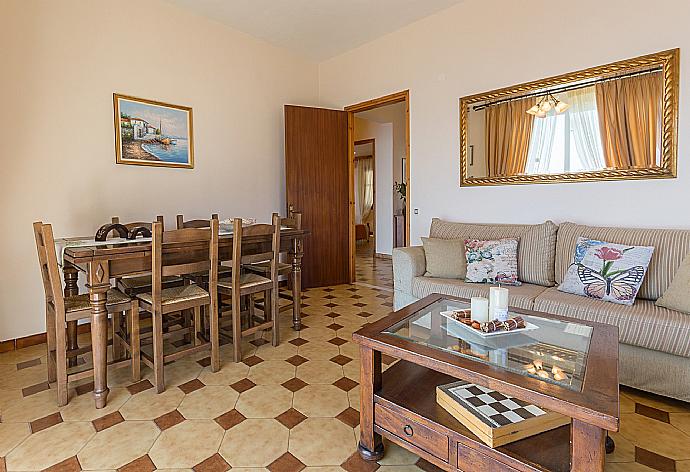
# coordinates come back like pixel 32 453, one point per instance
pixel 546 104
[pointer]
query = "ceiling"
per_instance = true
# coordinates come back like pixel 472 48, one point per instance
pixel 316 29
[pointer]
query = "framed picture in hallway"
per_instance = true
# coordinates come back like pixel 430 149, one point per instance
pixel 151 133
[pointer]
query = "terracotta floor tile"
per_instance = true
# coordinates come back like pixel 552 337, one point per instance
pixel 286 463
pixel 169 420
pixel 298 341
pixel 36 388
pixel 243 385
pixel 215 463
pixel 296 360
pixel 229 419
pixel 654 461
pixel 651 412
pixel 350 417
pixel 337 341
pixel 140 386
pixel 45 422
pixel 143 464
pixel 294 384
pixel 251 361
pixel 192 385
pixel 68 465
pixel 205 362
pixel 290 418
pixel 107 421
pixel 345 384
pixel 355 463
pixel 340 359
pixel 29 363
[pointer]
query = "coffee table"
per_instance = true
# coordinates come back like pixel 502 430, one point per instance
pixel 400 402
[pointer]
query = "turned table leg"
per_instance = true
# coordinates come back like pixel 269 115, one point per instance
pixel 296 254
pixel 71 276
pixel 98 285
pixel 587 447
pixel 370 443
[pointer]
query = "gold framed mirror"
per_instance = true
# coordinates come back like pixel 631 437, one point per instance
pixel 618 121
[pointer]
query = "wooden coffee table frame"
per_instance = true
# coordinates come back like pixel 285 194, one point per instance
pixel 400 403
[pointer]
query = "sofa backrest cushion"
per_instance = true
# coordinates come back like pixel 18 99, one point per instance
pixel 670 248
pixel 536 247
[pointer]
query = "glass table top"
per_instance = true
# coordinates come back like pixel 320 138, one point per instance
pixel 552 351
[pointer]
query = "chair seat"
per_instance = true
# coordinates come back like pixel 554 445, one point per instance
pixel 247 281
pixel 143 282
pixel 265 267
pixel 222 270
pixel 172 295
pixel 81 302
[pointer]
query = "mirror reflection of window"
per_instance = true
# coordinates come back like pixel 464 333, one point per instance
pixel 570 141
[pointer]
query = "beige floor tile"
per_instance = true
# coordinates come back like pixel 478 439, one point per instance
pixel 683 466
pixel 271 372
pixel 397 456
pixel 346 310
pixel 351 370
pixel 264 401
pixel 229 373
pixel 208 402
pixel 319 372
pixel 322 441
pixel 645 432
pixel 8 398
pixel 350 350
pixel 323 469
pixel 149 405
pixel 681 421
pixel 319 320
pixel 318 350
pixel 181 371
pixel 400 468
pixel 118 445
pixel 23 355
pixel 317 333
pixel 278 353
pixel 254 443
pixel 11 434
pixel 353 397
pixel 81 408
pixel 665 404
pixel 17 379
pixel 186 444
pixel 627 405
pixel 320 401
pixel 123 377
pixel 55 445
pixel 31 408
pixel 626 467
pixel 624 452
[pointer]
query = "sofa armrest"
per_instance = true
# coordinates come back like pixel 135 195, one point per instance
pixel 408 263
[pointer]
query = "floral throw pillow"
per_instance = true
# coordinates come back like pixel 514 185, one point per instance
pixel 492 262
pixel 607 271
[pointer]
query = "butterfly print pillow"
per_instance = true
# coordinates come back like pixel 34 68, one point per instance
pixel 607 271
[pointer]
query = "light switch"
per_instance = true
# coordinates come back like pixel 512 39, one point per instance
pixel 416 211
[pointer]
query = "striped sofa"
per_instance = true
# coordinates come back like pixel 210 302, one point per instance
pixel 654 352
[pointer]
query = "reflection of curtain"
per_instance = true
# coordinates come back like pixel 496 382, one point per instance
pixel 508 130
pixel 584 123
pixel 541 145
pixel 629 118
pixel 364 185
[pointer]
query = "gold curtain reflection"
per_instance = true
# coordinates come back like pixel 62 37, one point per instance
pixel 629 120
pixel 508 131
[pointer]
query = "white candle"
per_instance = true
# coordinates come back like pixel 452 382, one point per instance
pixel 498 303
pixel 480 309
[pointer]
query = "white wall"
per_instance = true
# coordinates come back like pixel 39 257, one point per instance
pixel 481 45
pixel 383 169
pixel 62 61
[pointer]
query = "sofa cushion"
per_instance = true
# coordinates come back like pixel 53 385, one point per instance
pixel 536 250
pixel 670 248
pixel 677 297
pixel 520 297
pixel 643 324
pixel 445 258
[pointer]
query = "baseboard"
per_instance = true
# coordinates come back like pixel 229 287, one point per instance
pixel 34 339
pixel 383 256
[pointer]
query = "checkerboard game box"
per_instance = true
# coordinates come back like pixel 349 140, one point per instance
pixel 494 418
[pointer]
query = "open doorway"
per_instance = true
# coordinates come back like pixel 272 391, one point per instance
pixel 379 184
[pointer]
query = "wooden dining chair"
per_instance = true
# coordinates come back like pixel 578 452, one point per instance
pixel 169 256
pixel 294 221
pixel 243 283
pixel 61 310
pixel 181 223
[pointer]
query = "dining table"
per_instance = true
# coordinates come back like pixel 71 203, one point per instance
pixel 105 260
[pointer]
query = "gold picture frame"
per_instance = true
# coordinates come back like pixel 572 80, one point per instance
pixel 668 61
pixel 153 133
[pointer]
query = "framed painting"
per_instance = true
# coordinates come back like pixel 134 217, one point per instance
pixel 150 133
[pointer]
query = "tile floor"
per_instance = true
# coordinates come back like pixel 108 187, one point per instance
pixel 288 408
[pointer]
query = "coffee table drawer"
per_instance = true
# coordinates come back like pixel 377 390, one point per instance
pixel 475 461
pixel 412 432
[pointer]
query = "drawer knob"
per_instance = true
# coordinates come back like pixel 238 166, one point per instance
pixel 408 430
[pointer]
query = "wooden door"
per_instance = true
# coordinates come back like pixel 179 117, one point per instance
pixel 317 185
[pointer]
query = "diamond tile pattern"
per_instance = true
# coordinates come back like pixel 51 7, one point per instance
pixel 321 367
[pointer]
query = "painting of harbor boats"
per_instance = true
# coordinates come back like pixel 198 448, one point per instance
pixel 152 133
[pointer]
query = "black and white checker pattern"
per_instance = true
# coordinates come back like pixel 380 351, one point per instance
pixel 491 407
